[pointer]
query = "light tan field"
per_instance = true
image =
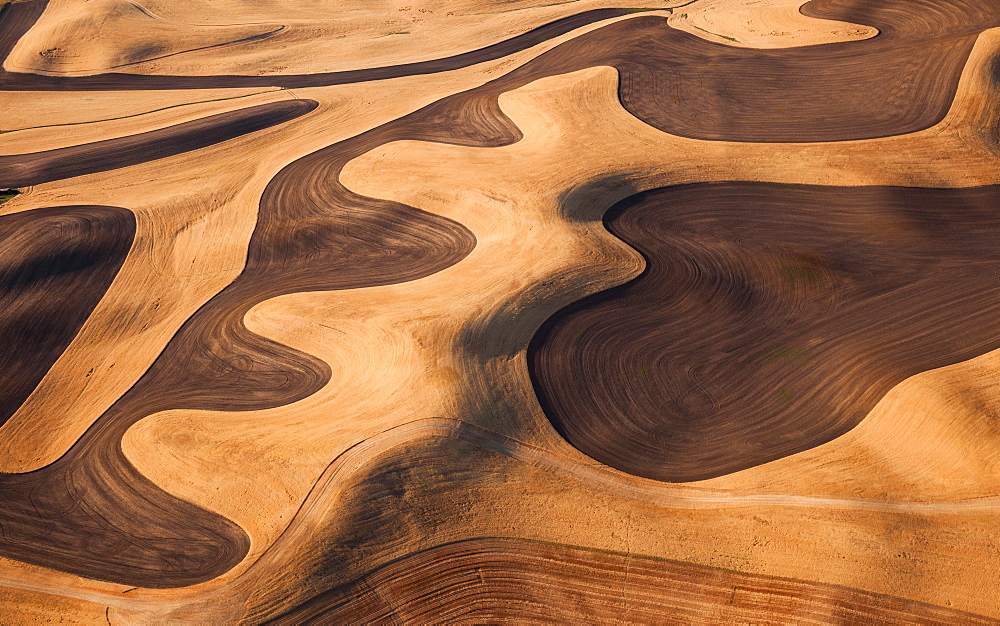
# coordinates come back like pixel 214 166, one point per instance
pixel 193 206
pixel 203 39
pixel 72 118
pixel 763 24
pixel 429 430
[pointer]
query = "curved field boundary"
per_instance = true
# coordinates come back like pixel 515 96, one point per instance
pixel 22 170
pixel 17 18
pixel 56 266
pixel 770 319
pixel 314 234
pixel 328 489
pixel 901 81
pixel 500 578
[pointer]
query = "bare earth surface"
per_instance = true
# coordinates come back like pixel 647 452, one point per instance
pixel 521 311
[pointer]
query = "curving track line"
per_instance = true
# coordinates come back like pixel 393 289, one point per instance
pixel 507 579
pixel 23 170
pixel 327 488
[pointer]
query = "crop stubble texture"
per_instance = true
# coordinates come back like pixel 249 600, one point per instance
pixel 92 514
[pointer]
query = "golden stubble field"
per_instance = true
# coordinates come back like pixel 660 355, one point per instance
pixel 427 430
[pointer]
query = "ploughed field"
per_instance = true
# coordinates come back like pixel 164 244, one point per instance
pixel 572 312
pixel 769 319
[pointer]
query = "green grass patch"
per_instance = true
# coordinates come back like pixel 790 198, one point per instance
pixel 802 275
pixel 727 37
pixel 8 194
pixel 786 353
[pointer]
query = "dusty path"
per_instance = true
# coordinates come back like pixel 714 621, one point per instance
pixel 770 319
pixel 57 264
pixel 506 579
pixel 22 170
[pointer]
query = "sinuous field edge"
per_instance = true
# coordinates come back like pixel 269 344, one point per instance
pixel 452 312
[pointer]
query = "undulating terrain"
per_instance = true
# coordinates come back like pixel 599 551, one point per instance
pixel 521 311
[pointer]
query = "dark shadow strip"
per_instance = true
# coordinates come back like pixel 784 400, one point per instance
pixel 55 266
pixel 22 170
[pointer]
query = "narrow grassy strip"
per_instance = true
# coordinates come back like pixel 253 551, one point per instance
pixel 716 34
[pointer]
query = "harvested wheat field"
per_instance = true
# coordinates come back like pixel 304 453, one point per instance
pixel 479 312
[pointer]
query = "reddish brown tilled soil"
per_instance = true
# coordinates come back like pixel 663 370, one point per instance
pixel 23 170
pixel 502 579
pixel 56 265
pixel 770 319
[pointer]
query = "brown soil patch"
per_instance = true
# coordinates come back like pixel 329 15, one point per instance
pixel 511 579
pixel 769 319
pixel 57 264
pixel 22 170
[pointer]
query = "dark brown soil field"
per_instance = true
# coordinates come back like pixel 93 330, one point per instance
pixel 23 170
pixel 56 265
pixel 770 319
pixel 503 580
